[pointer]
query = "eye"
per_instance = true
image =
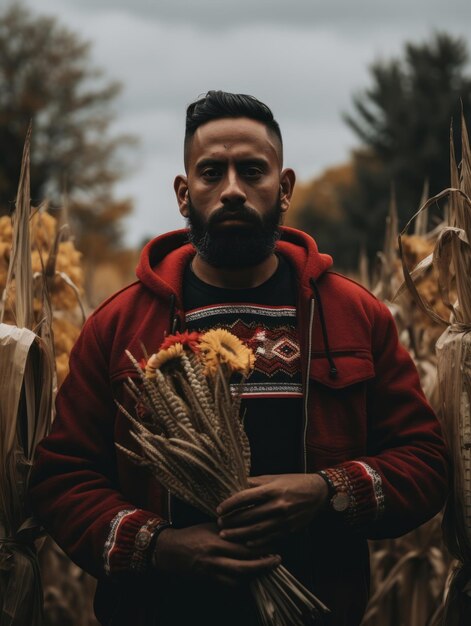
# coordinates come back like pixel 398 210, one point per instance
pixel 252 171
pixel 211 173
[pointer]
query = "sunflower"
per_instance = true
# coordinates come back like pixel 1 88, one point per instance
pixel 219 346
pixel 155 362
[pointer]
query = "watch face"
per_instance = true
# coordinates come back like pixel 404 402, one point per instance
pixel 340 501
pixel 143 538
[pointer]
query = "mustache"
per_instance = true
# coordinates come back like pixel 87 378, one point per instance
pixel 234 212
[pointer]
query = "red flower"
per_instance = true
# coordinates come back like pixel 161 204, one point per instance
pixel 188 340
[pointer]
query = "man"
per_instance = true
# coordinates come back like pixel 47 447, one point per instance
pixel 344 445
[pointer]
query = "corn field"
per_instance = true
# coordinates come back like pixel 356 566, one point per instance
pixel 411 576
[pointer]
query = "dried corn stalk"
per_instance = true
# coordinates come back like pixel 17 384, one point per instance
pixel 416 331
pixel 387 259
pixel 68 591
pixel 452 260
pixel 408 578
pixel 26 396
pixel 409 573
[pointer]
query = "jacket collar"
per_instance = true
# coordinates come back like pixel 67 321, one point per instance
pixel 163 260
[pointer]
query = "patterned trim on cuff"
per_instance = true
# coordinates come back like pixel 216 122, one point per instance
pixel 110 542
pixel 364 487
pixel 377 487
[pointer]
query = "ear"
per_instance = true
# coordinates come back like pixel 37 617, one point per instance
pixel 180 186
pixel 287 182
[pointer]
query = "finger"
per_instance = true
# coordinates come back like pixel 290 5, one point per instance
pixel 237 570
pixel 245 498
pixel 253 532
pixel 243 552
pixel 256 481
pixel 233 550
pixel 247 516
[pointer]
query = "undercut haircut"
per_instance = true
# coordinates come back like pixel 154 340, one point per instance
pixel 216 105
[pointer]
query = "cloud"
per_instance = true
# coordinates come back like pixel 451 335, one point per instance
pixel 305 14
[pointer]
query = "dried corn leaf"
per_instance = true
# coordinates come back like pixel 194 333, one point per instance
pixel 14 349
pixel 421 221
pixel 20 261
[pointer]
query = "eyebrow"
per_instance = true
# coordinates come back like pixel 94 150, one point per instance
pixel 211 161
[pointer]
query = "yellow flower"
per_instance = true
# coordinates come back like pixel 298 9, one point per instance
pixel 156 361
pixel 219 346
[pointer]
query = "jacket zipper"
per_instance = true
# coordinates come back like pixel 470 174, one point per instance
pixel 176 323
pixel 306 381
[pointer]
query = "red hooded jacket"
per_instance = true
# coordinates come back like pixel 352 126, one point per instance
pixel 369 426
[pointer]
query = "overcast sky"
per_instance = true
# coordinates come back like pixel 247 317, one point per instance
pixel 304 58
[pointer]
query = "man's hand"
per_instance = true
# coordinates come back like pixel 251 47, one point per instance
pixel 200 552
pixel 272 507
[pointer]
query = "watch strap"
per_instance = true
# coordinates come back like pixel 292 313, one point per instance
pixel 340 489
pixel 144 543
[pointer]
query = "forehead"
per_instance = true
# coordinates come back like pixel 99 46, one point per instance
pixel 227 137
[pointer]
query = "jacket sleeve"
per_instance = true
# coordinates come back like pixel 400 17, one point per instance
pixel 403 480
pixel 74 488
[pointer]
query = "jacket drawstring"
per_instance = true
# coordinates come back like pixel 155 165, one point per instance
pixel 333 372
pixel 174 321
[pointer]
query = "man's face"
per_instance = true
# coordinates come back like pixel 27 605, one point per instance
pixel 233 199
pixel 223 241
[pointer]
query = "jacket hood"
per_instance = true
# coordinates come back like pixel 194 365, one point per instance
pixel 163 259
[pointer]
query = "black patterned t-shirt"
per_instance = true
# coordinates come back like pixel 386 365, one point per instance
pixel 264 318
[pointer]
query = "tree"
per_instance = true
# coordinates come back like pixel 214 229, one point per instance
pixel 317 208
pixel 403 120
pixel 46 77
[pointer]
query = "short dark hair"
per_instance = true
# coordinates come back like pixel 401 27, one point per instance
pixel 219 104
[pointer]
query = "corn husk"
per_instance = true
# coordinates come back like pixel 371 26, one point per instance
pixel 26 398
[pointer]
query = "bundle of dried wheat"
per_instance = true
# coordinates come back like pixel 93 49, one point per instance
pixel 26 398
pixel 193 441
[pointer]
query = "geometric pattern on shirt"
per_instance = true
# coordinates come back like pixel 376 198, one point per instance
pixel 270 331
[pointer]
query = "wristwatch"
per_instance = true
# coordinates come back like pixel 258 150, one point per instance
pixel 339 492
pixel 146 536
pixel 340 501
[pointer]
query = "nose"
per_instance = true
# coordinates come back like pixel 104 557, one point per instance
pixel 233 190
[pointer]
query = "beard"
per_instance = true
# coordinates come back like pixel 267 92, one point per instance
pixel 244 245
